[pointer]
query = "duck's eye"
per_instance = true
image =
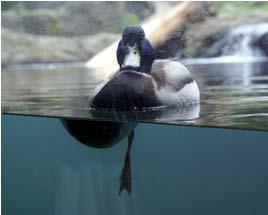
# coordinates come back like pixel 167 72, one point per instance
pixel 135 52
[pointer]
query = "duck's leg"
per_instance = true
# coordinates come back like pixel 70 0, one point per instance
pixel 125 178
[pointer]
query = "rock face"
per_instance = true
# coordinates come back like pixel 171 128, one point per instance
pixel 208 33
pixel 64 31
pixel 142 9
pixel 71 31
pixel 208 38
pixel 76 18
pixel 26 48
pixel 262 42
pixel 41 22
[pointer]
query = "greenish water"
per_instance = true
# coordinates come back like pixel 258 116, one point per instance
pixel 175 170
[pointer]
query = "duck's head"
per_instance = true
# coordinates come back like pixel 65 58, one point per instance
pixel 132 35
pixel 134 50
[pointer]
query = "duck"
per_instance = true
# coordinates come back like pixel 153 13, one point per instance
pixel 143 81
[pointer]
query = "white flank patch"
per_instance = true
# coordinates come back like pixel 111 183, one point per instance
pixel 187 95
pixel 175 71
pixel 174 74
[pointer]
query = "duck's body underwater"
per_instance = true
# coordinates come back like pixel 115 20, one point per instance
pixel 142 81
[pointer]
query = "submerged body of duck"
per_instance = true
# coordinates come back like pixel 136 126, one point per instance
pixel 143 82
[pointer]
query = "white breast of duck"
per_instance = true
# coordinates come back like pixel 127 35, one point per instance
pixel 174 84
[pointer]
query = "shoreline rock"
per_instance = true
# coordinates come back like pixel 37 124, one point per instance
pixel 37 35
pixel 200 37
pixel 32 48
pixel 75 19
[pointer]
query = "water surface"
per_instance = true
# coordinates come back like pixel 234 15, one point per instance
pixel 233 94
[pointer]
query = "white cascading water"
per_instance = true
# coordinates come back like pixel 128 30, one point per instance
pixel 240 44
pixel 238 47
pixel 239 41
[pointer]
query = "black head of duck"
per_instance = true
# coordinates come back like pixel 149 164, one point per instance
pixel 134 51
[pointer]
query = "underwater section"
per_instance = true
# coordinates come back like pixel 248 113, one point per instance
pixel 175 169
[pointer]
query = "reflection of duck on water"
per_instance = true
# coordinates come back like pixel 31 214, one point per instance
pixel 142 82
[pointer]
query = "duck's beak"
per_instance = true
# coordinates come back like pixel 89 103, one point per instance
pixel 132 57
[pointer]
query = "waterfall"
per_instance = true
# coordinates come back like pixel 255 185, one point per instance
pixel 242 40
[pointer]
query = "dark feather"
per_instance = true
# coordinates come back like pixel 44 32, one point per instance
pixel 147 56
pixel 121 52
pixel 126 91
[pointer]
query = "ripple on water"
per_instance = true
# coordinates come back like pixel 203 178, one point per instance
pixel 233 94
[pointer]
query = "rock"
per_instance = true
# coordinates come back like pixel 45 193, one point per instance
pixel 172 47
pixel 201 37
pixel 40 22
pixel 30 5
pixel 212 45
pixel 142 9
pixel 76 18
pixel 91 17
pixel 67 31
pixel 262 43
pixel 26 48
